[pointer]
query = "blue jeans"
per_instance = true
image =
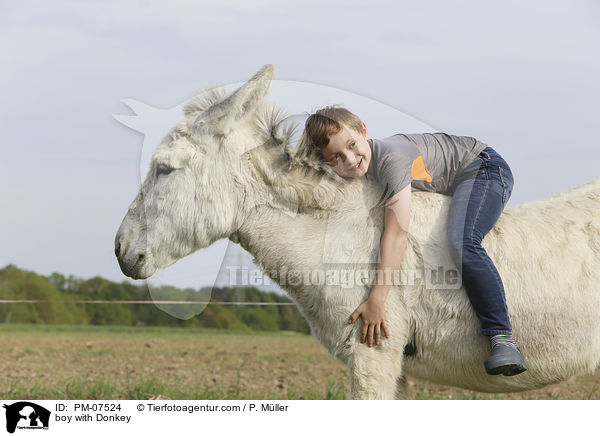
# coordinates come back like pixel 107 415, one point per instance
pixel 479 195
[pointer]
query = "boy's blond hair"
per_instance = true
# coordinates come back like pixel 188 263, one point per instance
pixel 325 122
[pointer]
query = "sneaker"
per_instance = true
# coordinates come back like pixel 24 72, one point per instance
pixel 505 360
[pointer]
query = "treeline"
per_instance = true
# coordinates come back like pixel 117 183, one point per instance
pixel 17 284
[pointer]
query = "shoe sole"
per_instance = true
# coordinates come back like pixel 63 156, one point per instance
pixel 507 370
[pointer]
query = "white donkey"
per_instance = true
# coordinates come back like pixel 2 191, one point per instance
pixel 226 171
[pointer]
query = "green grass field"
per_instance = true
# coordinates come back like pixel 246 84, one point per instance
pixel 89 362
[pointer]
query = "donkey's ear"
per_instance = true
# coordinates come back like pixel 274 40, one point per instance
pixel 242 103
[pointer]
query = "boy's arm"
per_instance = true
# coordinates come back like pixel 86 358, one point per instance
pixel 391 252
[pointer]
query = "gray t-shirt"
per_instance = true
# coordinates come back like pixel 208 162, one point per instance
pixel 427 161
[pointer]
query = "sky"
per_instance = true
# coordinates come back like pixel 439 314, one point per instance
pixel 520 76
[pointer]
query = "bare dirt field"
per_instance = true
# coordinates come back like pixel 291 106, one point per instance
pixel 53 362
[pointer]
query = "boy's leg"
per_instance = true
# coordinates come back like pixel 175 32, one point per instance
pixel 478 200
pixel 477 203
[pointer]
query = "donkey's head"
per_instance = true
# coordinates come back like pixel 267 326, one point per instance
pixel 191 195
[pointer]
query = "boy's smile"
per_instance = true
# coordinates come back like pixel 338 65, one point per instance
pixel 348 152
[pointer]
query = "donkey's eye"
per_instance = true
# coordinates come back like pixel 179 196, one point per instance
pixel 163 169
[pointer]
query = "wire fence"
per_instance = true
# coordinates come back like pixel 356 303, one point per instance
pixel 228 303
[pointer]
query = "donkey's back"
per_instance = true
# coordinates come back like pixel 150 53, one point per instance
pixel 548 255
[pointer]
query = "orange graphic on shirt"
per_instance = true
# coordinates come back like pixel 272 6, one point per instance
pixel 419 171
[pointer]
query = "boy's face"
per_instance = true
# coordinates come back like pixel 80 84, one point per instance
pixel 348 152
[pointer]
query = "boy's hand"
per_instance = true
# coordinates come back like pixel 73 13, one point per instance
pixel 373 318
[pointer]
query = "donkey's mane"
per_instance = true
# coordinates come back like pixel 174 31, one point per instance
pixel 298 176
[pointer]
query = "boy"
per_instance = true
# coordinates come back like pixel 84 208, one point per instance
pixel 480 183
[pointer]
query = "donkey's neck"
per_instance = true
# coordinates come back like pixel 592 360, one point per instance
pixel 293 225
